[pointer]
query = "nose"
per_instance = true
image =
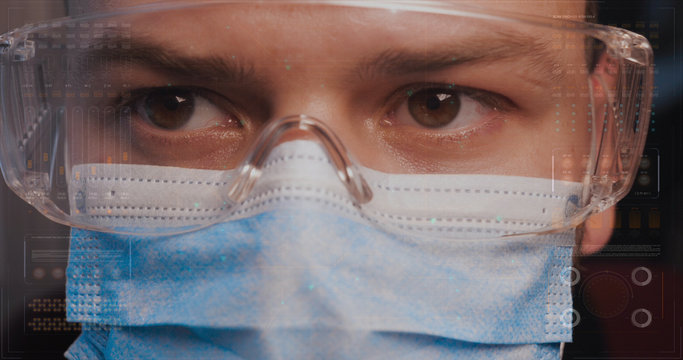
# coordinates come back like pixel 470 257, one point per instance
pixel 297 127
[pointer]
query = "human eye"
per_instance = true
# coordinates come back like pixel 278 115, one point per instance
pixel 180 126
pixel 443 127
pixel 447 109
pixel 175 109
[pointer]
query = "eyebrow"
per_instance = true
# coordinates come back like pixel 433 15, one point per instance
pixel 533 53
pixel 165 59
pixel 497 47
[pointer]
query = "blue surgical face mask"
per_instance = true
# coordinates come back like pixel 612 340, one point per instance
pixel 299 273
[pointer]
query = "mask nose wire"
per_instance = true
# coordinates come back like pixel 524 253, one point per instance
pixel 251 168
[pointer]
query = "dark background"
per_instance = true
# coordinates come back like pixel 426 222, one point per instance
pixel 628 298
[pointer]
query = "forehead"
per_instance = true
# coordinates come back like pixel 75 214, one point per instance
pixel 303 24
pixel 324 34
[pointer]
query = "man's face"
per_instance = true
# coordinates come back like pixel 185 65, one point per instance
pixel 370 77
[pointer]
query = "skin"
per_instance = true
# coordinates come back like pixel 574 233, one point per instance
pixel 308 65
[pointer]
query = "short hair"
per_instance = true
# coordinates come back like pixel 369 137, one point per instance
pixel 594 48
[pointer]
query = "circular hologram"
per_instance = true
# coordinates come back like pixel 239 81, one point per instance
pixel 644 180
pixel 645 163
pixel 570 275
pixel 570 318
pixel 641 276
pixel 606 295
pixel 641 318
pixel 39 273
pixel 57 273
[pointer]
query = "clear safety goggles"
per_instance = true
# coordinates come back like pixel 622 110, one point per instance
pixel 397 88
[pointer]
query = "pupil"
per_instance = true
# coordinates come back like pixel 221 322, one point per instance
pixel 169 109
pixel 433 103
pixel 434 108
pixel 172 103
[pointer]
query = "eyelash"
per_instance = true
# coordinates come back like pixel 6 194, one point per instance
pixel 488 99
pixel 130 98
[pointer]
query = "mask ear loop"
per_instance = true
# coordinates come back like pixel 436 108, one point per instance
pixel 561 349
pixel 250 170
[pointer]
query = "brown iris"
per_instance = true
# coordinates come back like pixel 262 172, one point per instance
pixel 434 108
pixel 169 109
